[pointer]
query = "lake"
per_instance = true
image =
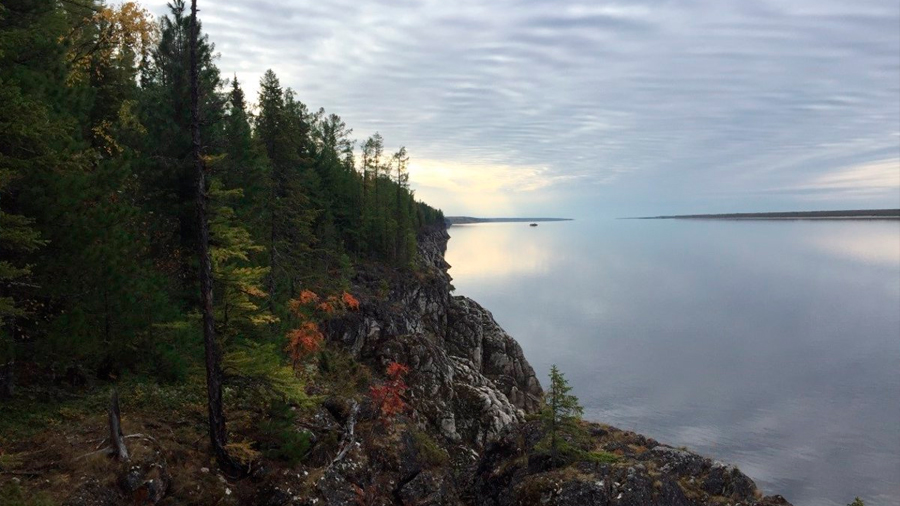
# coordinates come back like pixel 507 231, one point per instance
pixel 771 345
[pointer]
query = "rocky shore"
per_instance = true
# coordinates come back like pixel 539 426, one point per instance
pixel 472 386
pixel 468 437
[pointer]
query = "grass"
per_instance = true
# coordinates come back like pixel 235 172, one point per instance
pixel 599 457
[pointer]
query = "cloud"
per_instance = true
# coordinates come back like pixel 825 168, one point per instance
pixel 707 99
pixel 868 179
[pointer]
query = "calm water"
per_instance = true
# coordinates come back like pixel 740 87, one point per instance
pixel 772 345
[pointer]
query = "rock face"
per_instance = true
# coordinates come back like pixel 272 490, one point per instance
pixel 469 378
pixel 473 334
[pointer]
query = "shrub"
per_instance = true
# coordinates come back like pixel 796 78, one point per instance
pixel 304 341
pixel 280 437
pixel 388 397
pixel 263 367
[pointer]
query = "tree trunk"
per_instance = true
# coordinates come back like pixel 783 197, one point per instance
pixel 217 433
pixel 115 429
pixel 553 408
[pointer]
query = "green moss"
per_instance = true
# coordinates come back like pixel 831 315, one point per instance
pixel 427 449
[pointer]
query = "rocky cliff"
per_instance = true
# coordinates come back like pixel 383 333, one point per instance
pixel 469 378
pixel 472 385
pixel 467 437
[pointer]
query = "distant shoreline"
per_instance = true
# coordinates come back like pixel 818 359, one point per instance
pixel 861 214
pixel 468 220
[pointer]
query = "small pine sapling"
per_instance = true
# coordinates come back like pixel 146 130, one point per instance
pixel 561 412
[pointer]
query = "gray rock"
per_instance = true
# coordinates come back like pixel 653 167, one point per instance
pixel 469 379
pixel 728 481
pixel 428 488
pixel 473 334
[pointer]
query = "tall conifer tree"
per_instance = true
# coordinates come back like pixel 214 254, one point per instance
pixel 217 431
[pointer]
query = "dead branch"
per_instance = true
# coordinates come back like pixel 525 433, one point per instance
pixel 115 428
pixel 144 436
pixel 349 437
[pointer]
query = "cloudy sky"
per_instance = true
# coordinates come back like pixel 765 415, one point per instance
pixel 559 107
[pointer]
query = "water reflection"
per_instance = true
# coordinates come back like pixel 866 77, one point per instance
pixel 871 246
pixel 771 345
pixel 473 260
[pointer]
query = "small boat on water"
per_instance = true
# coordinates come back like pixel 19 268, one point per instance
pixel 533 225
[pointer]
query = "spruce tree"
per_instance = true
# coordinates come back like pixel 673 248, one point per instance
pixel 561 412
pixel 289 216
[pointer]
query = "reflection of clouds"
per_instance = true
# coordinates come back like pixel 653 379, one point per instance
pixel 868 246
pixel 504 254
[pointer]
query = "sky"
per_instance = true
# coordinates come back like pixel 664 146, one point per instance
pixel 608 109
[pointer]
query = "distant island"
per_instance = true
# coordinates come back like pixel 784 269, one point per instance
pixel 467 220
pixel 861 214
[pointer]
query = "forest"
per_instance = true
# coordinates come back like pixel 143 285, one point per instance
pixel 99 230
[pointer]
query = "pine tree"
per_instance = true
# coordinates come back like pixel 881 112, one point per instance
pixel 166 172
pixel 243 165
pixel 16 238
pixel 561 411
pixel 289 216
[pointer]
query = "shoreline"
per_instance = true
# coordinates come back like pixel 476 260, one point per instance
pixel 861 214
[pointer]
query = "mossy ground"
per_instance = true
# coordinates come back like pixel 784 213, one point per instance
pixel 49 438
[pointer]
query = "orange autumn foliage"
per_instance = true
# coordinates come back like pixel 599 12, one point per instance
pixel 388 398
pixel 295 306
pixel 308 307
pixel 304 341
pixel 350 301
pixel 308 297
pixel 396 370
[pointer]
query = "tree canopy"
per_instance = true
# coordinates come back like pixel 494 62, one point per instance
pixel 98 225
